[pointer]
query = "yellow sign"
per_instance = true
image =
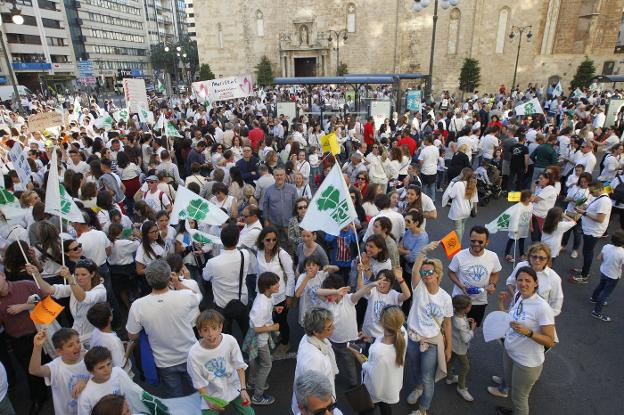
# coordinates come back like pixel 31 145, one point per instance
pixel 329 144
pixel 513 196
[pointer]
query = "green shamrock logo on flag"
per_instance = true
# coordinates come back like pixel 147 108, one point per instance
pixel 529 108
pixel 153 404
pixel 123 114
pixel 65 204
pixel 197 209
pixel 6 197
pixel 329 199
pixel 503 221
pixel 199 237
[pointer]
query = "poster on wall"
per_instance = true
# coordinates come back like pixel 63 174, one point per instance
pixel 380 110
pixel 223 89
pixel 135 94
pixel 289 109
pixel 615 105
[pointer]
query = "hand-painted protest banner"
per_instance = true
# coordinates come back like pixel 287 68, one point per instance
pixel 20 163
pixel 43 120
pixel 223 89
pixel 135 94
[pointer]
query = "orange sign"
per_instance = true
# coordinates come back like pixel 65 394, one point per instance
pixel 451 244
pixel 46 311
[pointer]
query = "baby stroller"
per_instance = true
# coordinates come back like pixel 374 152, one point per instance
pixel 488 183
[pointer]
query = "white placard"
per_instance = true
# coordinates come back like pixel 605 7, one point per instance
pixel 20 164
pixel 614 108
pixel 379 110
pixel 223 89
pixel 495 325
pixel 135 94
pixel 289 109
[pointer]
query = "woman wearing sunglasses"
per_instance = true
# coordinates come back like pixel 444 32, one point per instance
pixel 294 231
pixel 428 349
pixel 531 331
pixel 84 288
pixel 152 247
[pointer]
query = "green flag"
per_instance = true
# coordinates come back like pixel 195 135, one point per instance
pixel 171 131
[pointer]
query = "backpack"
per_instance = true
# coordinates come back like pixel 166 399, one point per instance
pixel 618 192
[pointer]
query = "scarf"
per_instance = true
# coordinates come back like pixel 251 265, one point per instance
pixel 325 347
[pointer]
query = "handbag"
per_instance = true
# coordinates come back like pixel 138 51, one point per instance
pixel 236 308
pixel 359 399
pixel 473 211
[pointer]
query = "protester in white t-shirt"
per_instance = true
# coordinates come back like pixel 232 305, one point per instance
pixel 555 225
pixel 381 296
pixel 309 282
pixel 544 199
pixel 152 246
pixel 612 257
pixel 463 195
pixel 101 317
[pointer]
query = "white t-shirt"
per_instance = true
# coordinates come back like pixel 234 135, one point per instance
pixel 487 144
pixel 382 376
pixel 532 313
pixel 427 206
pixel 553 240
pixel 612 261
pixel 429 311
pixel 114 344
pixel 167 320
pixel 63 378
pixel 474 271
pixel 548 196
pixel 284 271
pixel 549 286
pixel 94 244
pixel 224 273
pixel 216 369
pixel 145 258
pixel 576 193
pixel 588 160
pixel 460 206
pixel 79 309
pixel 261 315
pixel 345 320
pixel 309 298
pixel 429 157
pixel 118 384
pixel 157 200
pixel 601 204
pixel 524 221
pixel 123 252
pixel 376 303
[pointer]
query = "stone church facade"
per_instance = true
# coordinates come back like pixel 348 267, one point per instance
pixel 386 36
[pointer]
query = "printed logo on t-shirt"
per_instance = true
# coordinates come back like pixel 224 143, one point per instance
pixel 217 367
pixel 517 314
pixel 476 272
pixel 71 384
pixel 378 307
pixel 435 314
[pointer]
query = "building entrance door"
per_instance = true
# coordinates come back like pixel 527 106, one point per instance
pixel 305 66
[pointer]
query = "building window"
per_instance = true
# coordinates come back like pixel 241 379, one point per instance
pixel 550 28
pixel 351 18
pixel 59 58
pixel 56 41
pixel 47 5
pixel 453 34
pixel 259 23
pixel 220 35
pixel 52 24
pixel 501 34
pixel 23 39
pixel 28 20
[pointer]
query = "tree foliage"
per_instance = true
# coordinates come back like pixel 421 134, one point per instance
pixel 169 60
pixel 470 75
pixel 205 73
pixel 343 69
pixel 264 72
pixel 584 74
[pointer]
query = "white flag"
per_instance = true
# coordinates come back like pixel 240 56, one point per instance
pixel 121 115
pixel 506 221
pixel 57 201
pixel 558 91
pixel 77 107
pixel 10 206
pixel 160 124
pixel 105 122
pixel 203 237
pixel 171 131
pixel 331 208
pixel 189 205
pixel 146 116
pixel 529 108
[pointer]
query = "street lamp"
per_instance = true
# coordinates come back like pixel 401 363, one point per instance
pixel 338 34
pixel 18 19
pixel 418 6
pixel 512 34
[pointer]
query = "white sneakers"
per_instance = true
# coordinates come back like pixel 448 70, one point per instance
pixel 413 397
pixel 574 254
pixel 465 394
pixel 452 379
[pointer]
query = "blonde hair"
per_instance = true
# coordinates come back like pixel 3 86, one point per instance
pixel 392 319
pixel 464 149
pixel 437 267
pixel 540 246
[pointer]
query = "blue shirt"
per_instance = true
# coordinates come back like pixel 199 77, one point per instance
pixel 278 204
pixel 414 242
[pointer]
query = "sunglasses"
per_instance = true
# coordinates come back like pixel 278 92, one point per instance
pixel 539 257
pixel 76 248
pixel 270 240
pixel 426 272
pixel 302 207
pixel 85 263
pixel 474 241
pixel 330 408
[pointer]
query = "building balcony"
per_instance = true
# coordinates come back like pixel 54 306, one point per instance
pixel 64 67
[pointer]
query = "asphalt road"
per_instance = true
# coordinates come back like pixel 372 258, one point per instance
pixel 582 374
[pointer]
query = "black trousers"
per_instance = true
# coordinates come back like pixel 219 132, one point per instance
pixel 282 319
pixel 22 349
pixel 242 321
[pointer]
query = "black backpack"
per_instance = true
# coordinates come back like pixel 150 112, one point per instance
pixel 618 192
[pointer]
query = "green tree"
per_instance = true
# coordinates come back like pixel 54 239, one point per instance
pixel 264 72
pixel 584 74
pixel 170 61
pixel 343 69
pixel 470 75
pixel 205 73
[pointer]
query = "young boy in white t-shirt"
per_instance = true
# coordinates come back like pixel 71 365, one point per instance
pixel 216 366
pixel 381 296
pixel 309 282
pixel 342 305
pixel 66 374
pixel 261 322
pixel 612 257
pixel 109 380
pixel 101 317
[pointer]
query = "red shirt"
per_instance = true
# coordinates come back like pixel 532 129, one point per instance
pixel 369 133
pixel 18 325
pixel 255 136
pixel 410 143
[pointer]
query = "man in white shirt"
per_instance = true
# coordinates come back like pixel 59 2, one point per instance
pixel 489 143
pixel 382 202
pixel 265 181
pixel 428 160
pixel 251 230
pixel 224 271
pixel 599 118
pixel 313 392
pixel 76 164
pixel 587 158
pixel 154 197
pixel 167 318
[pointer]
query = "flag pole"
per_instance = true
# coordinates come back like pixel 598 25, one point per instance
pixel 357 245
pixel 19 243
pixel 62 247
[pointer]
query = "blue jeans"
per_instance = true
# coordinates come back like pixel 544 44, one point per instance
pixel 105 273
pixel 589 243
pixel 176 381
pixel 603 291
pixel 423 366
pixel 429 185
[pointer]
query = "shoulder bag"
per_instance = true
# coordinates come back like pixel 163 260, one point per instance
pixel 236 308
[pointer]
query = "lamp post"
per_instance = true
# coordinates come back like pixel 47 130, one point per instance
pixel 340 33
pixel 418 6
pixel 18 19
pixel 512 34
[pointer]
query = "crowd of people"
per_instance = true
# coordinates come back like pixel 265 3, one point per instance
pixel 147 302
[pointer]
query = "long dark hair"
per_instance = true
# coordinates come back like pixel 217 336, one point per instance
pixel 553 217
pixel 380 243
pixel 417 204
pixel 145 241
pixel 263 234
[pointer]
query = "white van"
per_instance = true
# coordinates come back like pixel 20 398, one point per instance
pixel 6 92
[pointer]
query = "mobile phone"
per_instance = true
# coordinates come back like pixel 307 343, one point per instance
pixel 358 347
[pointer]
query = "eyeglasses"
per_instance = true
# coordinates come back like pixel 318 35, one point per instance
pixel 85 263
pixel 539 257
pixel 329 408
pixel 476 242
pixel 302 207
pixel 152 181
pixel 76 248
pixel 270 239
pixel 361 178
pixel 426 272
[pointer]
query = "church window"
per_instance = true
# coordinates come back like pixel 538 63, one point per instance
pixel 351 18
pixel 501 34
pixel 453 33
pixel 259 23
